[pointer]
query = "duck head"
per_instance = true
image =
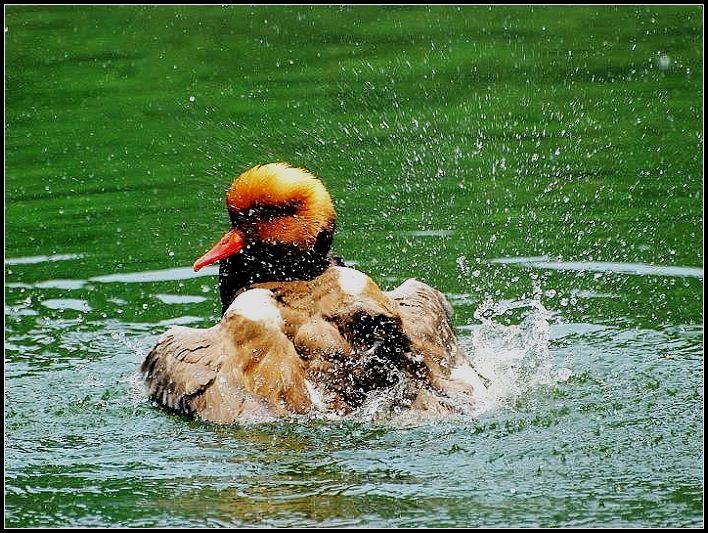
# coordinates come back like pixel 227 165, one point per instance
pixel 282 226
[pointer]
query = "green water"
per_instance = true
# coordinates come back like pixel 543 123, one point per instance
pixel 455 141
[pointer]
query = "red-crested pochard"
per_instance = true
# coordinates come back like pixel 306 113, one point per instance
pixel 300 332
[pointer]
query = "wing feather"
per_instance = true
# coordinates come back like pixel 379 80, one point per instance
pixel 182 364
pixel 238 369
pixel 427 322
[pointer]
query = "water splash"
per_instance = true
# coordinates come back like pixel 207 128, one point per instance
pixel 511 359
pixel 131 380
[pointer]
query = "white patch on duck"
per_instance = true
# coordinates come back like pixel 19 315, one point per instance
pixel 257 305
pixel 352 281
pixel 467 374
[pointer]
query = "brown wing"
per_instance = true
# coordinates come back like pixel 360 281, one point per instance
pixel 240 368
pixel 182 364
pixel 426 315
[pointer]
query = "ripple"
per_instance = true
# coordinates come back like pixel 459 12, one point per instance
pixel 149 276
pixel 559 331
pixel 75 304
pixel 179 299
pixel 40 259
pixel 65 284
pixel 642 269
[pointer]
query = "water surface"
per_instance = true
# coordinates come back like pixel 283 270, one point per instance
pixel 541 166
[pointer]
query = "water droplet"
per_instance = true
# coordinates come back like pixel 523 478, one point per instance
pixel 462 264
pixel 664 62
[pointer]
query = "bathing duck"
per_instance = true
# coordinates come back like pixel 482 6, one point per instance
pixel 300 332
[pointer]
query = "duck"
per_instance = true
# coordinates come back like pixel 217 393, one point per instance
pixel 301 333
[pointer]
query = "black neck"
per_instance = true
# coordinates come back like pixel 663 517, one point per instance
pixel 262 262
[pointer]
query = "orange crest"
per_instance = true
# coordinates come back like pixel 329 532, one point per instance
pixel 278 185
